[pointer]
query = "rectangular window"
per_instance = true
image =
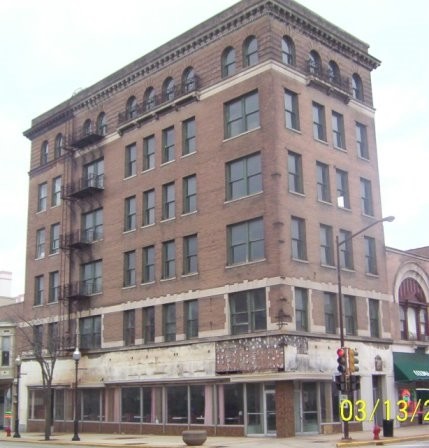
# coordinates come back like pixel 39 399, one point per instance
pixel 92 226
pixel 291 110
pixel 129 268
pixel 90 332
pixel 149 324
pixel 323 187
pixel 366 197
pixel 54 286
pixel 243 177
pixel 362 141
pixel 168 259
pixel 190 194
pixel 319 122
pixel 130 160
pixel 56 191
pixel 246 241
pixel 190 254
pixel 42 197
pixel 295 176
pixel 92 277
pixel 191 319
pixel 40 243
pixel 242 115
pixel 37 338
pixel 149 207
pixel 148 264
pixel 346 249
pixel 129 327
pixel 168 201
pixel 374 317
pixel 326 245
pixel 343 196
pixel 5 351
pixel 149 153
pixel 298 237
pixel 53 338
pixel 39 289
pixel 338 134
pixel 350 315
pixel 130 213
pixel 301 309
pixel 169 314
pixel 93 174
pixel 189 136
pixel 370 256
pixel 248 311
pixel 330 306
pixel 168 145
pixel 55 238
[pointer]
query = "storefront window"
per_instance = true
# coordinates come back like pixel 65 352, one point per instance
pixel 177 404
pixel 197 404
pixel 59 404
pixel 254 409
pixel 91 405
pixel 230 404
pixel 131 404
pixel 36 408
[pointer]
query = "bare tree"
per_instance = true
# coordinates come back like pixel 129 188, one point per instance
pixel 45 354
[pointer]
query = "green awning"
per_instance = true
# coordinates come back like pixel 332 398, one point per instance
pixel 411 366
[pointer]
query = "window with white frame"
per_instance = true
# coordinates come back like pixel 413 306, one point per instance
pixel 149 153
pixel 323 183
pixel 295 173
pixel 301 309
pixel 298 237
pixel 326 245
pixel 243 177
pixel 42 196
pixel 168 201
pixel 248 311
pixel 291 110
pixel 40 243
pixel 246 241
pixel 149 207
pixel 242 115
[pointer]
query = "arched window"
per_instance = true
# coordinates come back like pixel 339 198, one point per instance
pixel 102 124
pixel 250 51
pixel 413 311
pixel 228 62
pixel 188 80
pixel 87 127
pixel 44 152
pixel 357 87
pixel 288 51
pixel 314 63
pixel 168 89
pixel 59 146
pixel 333 72
pixel 149 98
pixel 131 107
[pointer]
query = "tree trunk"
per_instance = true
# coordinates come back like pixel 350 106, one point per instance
pixel 48 411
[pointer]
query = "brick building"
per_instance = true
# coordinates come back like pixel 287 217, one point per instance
pixel 181 232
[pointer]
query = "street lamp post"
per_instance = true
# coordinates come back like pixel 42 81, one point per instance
pixel 76 357
pixel 18 362
pixel 340 296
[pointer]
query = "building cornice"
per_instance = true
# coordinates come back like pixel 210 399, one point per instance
pixel 226 22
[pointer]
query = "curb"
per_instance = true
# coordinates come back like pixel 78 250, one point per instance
pixel 386 441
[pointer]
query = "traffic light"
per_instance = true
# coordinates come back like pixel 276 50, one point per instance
pixel 353 360
pixel 355 382
pixel 340 382
pixel 342 360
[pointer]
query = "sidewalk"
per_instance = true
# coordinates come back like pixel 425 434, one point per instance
pixel 364 438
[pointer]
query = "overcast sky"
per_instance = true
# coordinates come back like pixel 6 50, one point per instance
pixel 51 48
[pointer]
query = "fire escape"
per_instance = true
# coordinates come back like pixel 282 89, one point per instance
pixel 82 192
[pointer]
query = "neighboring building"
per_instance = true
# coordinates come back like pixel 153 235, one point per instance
pixel 181 233
pixel 409 280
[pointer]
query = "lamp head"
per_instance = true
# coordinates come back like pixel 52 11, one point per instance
pixel 389 219
pixel 76 354
pixel 18 361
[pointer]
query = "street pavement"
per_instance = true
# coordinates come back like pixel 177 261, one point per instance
pixel 363 438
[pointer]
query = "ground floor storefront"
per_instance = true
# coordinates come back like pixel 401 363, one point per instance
pixel 282 408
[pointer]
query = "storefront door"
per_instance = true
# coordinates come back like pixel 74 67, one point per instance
pixel 261 409
pixel 306 408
